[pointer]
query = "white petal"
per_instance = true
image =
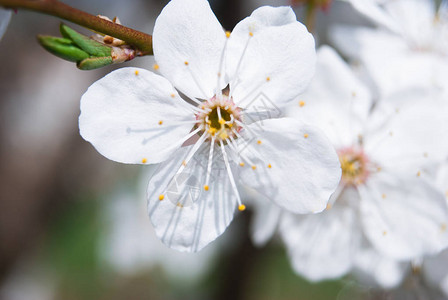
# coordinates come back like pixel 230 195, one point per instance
pixel 341 108
pixel 5 16
pixel 305 169
pixel 188 31
pixel 374 12
pixel 324 245
pixel 378 270
pixel 403 218
pixel 120 116
pixel 201 216
pixel 265 220
pixel 408 132
pixel 278 62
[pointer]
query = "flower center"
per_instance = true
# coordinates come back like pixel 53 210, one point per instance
pixel 354 165
pixel 218 118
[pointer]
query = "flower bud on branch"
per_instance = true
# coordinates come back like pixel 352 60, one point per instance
pixel 88 53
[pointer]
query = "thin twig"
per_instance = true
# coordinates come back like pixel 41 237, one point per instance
pixel 138 39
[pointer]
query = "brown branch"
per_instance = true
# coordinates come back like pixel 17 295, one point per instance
pixel 138 39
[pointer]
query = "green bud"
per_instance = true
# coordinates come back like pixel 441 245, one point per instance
pixel 94 63
pixel 62 47
pixel 85 43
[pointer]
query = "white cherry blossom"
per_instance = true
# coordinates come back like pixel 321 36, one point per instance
pixel 383 201
pixel 408 48
pixel 214 121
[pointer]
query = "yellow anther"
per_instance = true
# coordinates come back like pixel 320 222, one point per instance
pixel 301 103
pixel 306 135
pixel 446 193
pixel 136 72
pixel 223 135
pixel 155 67
pixel 378 169
pixel 269 166
pixel 206 187
pixel 242 165
pixel 161 197
pixel 186 63
pixel 419 173
pixel 254 167
pixel 160 122
pixel 172 95
pixel 383 196
pixel 259 142
pixel 227 34
pixel 212 130
pixel 443 227
pixel 203 106
pixel 184 163
pixel 251 33
pixel 222 121
pixel 144 160
pixel 384 232
pixel 179 205
pixel 241 207
pixel 219 74
pixel 268 78
pixel 328 206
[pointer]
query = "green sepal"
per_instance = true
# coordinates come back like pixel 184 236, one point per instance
pixel 87 44
pixel 62 47
pixel 94 63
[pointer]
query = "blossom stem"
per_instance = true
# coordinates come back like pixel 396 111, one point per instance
pixel 138 39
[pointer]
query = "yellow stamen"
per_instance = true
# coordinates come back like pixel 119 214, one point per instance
pixel 251 34
pixel 241 207
pixel 259 142
pixel 144 160
pixel 206 187
pixel 301 103
pixel 222 121
pixel 268 78
pixel 242 165
pixel 156 67
pixel 306 135
pixel 227 34
pixel 223 135
pixel 161 197
pixel 136 72
pixel 254 167
pixel 186 63
pixel 172 95
pixel 269 166
pixel 383 196
pixel 160 122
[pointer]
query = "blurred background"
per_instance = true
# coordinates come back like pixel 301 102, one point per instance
pixel 73 225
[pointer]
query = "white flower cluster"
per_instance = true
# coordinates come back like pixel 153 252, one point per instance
pixel 387 117
pixel 349 167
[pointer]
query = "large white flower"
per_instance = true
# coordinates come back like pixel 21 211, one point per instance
pixel 383 199
pixel 209 120
pixel 407 50
pixel 5 16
